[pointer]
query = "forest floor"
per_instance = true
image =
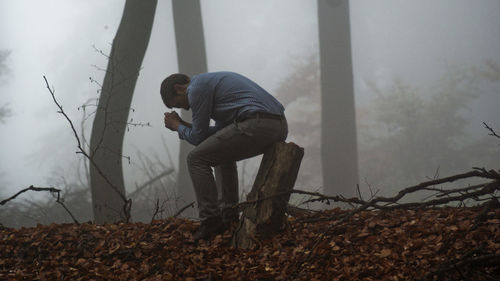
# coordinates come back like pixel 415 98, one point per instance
pixel 428 244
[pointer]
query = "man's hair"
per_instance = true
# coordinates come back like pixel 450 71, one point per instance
pixel 167 86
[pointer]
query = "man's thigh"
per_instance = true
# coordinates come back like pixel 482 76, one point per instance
pixel 238 141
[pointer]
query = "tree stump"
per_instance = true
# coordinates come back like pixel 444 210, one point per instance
pixel 264 215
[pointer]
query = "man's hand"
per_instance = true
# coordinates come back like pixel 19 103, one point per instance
pixel 172 120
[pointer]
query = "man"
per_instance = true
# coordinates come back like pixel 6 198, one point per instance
pixel 247 121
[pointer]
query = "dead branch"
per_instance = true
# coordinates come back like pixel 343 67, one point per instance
pixel 157 209
pixel 138 190
pixel 137 124
pixel 52 190
pixel 295 211
pixel 325 198
pixel 127 202
pixel 388 203
pixel 492 132
pixel 183 209
pixel 49 189
pixel 442 196
pixel 477 172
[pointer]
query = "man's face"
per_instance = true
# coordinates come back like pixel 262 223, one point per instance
pixel 180 100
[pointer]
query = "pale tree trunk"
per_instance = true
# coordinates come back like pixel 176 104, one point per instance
pixel 191 57
pixel 106 142
pixel 338 140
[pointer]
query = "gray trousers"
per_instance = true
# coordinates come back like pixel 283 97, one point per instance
pixel 234 142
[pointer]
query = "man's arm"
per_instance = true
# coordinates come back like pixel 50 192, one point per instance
pixel 187 124
pixel 173 122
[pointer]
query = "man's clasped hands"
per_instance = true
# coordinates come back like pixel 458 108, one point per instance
pixel 172 120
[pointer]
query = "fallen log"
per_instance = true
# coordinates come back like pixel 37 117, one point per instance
pixel 270 193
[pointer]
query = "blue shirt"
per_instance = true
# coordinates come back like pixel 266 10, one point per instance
pixel 223 96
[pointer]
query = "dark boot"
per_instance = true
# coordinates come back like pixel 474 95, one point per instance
pixel 209 228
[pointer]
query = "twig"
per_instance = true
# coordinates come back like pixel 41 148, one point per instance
pixel 493 133
pixel 372 194
pixel 127 202
pixel 137 124
pixel 359 192
pixel 157 209
pixel 49 189
pixel 149 182
pixel 61 111
pixel 322 198
pixel 183 209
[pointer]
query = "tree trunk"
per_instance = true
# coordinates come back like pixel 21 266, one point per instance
pixel 338 140
pixel 264 216
pixel 191 57
pixel 110 122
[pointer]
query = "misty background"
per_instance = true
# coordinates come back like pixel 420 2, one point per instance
pixel 426 75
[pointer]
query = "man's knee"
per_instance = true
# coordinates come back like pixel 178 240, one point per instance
pixel 197 157
pixel 193 157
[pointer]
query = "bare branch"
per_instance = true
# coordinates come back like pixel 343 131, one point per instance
pixel 183 209
pixel 493 133
pixel 387 203
pixel 127 202
pixel 64 114
pixel 151 181
pixel 157 209
pixel 49 189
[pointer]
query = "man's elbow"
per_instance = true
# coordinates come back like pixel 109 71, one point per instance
pixel 196 140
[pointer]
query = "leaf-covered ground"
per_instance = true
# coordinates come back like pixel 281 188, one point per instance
pixel 372 245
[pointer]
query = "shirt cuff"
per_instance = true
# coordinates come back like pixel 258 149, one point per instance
pixel 181 130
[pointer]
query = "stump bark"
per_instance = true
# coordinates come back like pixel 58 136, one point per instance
pixel 264 215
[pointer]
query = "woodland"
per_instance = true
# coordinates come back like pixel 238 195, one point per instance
pixel 418 214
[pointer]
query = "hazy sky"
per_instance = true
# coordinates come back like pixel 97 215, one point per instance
pixel 413 40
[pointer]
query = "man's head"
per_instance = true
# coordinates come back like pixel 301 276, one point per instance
pixel 174 91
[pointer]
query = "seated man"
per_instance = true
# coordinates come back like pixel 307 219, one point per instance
pixel 247 121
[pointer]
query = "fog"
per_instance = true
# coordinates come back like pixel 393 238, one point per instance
pixel 418 42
